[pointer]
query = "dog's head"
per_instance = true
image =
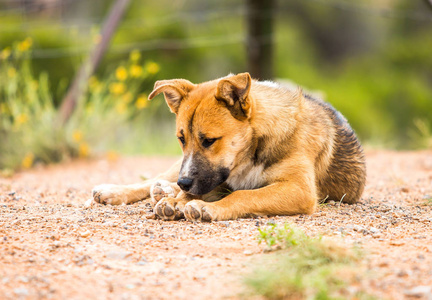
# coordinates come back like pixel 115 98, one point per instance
pixel 213 127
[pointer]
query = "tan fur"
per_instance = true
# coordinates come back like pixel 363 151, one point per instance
pixel 277 150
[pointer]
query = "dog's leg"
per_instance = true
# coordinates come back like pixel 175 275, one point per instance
pixel 126 194
pixel 280 198
pixel 162 189
pixel 172 208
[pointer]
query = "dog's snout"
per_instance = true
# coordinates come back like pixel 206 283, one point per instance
pixel 185 183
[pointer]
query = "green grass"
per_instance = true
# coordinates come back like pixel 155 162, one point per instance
pixel 427 202
pixel 304 268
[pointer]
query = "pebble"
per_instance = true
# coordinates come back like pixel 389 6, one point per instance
pixel 85 234
pixel 247 252
pixel 397 243
pixel 21 292
pixel 357 228
pixel 420 291
pixel 54 237
pixel 89 203
pixel 383 264
pixel 397 215
pixel 118 255
pixel 377 235
pixel 384 208
pixel 374 230
pixel 405 190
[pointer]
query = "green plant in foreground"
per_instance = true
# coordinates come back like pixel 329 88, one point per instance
pixel 279 237
pixel 427 202
pixel 306 268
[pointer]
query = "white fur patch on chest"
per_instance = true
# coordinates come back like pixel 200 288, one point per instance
pixel 248 179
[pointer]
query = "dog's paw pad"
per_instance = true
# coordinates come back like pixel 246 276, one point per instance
pixel 160 190
pixel 167 209
pixel 206 216
pixel 198 210
pixel 109 194
pixel 194 212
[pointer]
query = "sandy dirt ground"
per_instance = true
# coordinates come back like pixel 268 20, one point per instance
pixel 52 247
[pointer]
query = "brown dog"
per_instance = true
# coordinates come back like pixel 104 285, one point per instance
pixel 250 148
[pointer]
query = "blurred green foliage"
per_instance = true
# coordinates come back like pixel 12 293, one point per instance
pixel 370 60
pixel 112 117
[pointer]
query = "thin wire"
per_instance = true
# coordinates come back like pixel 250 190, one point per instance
pixel 158 44
pixel 381 12
pixel 34 7
pixel 194 16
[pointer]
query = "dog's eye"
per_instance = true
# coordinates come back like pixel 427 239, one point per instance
pixel 208 142
pixel 182 140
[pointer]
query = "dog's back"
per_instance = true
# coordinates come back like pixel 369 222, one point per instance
pixel 342 172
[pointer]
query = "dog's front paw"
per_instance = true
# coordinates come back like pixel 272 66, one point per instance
pixel 161 189
pixel 110 194
pixel 198 210
pixel 170 209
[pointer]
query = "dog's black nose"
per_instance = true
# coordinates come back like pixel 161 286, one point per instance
pixel 185 183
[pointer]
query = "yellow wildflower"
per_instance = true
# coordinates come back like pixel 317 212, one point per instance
pixel 135 55
pixel 136 71
pixel 142 102
pixel 28 161
pixel 112 155
pixel 6 52
pixel 11 72
pixel 83 150
pixel 126 98
pixel 21 119
pixel 117 88
pixel 152 67
pixel 77 136
pixel 121 73
pixel 25 45
pixel 121 107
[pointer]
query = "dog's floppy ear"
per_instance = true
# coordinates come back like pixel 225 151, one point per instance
pixel 234 91
pixel 174 91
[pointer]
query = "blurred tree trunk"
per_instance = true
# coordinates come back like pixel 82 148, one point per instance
pixel 260 38
pixel 88 67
